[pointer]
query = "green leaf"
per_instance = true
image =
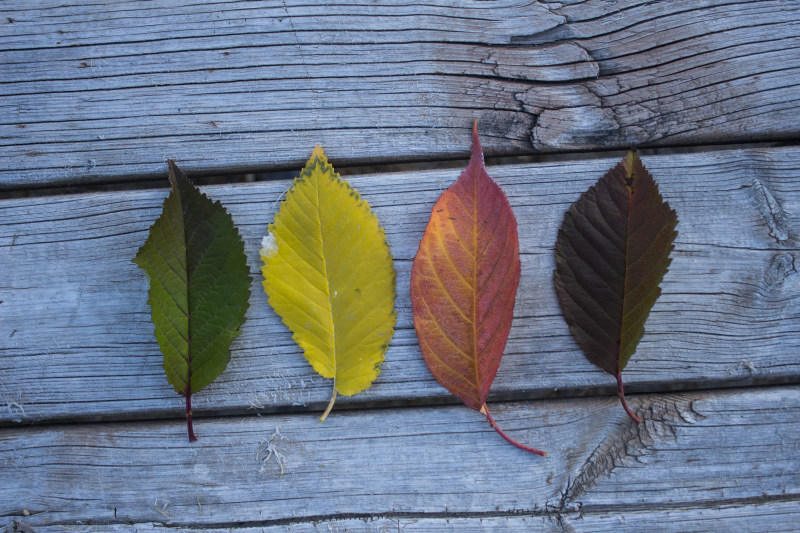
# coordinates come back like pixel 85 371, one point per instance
pixel 199 286
pixel 328 273
pixel 612 252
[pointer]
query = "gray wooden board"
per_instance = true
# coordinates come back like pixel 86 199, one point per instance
pixel 773 517
pixel 90 93
pixel 694 450
pixel 77 342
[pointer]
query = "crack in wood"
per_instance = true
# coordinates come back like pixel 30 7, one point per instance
pixel 560 519
pixel 629 442
pixel 561 32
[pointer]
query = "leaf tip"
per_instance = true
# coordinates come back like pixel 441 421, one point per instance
pixel 629 167
pixel 175 173
pixel 317 153
pixel 476 143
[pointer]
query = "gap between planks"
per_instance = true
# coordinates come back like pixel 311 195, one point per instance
pixel 783 511
pixel 456 162
pixel 355 405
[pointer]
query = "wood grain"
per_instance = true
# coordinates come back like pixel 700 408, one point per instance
pixel 700 450
pixel 780 517
pixel 77 343
pixel 90 94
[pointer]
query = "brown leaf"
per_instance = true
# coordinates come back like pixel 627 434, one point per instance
pixel 612 252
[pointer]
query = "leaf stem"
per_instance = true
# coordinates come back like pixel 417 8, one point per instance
pixel 502 433
pixel 330 406
pixel 192 438
pixel 621 395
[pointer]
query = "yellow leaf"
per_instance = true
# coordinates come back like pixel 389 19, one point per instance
pixel 328 273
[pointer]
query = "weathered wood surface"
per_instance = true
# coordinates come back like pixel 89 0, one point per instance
pixel 698 450
pixel 77 341
pixel 102 92
pixel 773 517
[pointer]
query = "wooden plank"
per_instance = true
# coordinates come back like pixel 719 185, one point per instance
pixel 781 517
pixel 92 95
pixel 774 517
pixel 699 449
pixel 77 341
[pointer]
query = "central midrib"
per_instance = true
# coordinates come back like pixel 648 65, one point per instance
pixel 475 284
pixel 325 274
pixel 188 299
pixel 625 275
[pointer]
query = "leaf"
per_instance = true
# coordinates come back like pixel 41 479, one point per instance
pixel 199 286
pixel 328 273
pixel 463 284
pixel 612 252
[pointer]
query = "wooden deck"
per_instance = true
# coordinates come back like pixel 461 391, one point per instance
pixel 92 437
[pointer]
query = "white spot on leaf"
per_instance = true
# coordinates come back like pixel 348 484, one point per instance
pixel 269 246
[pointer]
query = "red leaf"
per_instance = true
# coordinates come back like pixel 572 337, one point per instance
pixel 463 284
